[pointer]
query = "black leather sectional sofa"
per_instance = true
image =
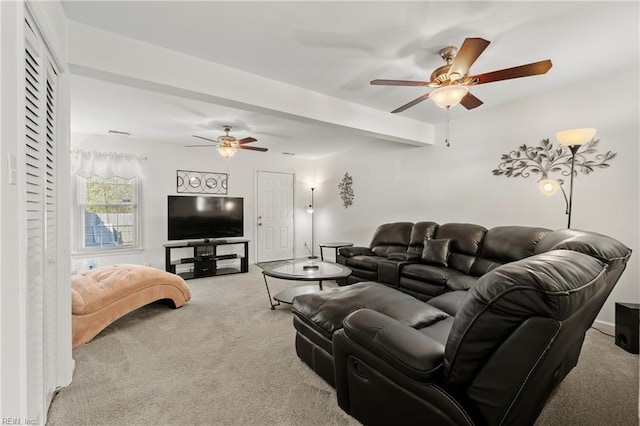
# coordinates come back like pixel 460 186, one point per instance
pixel 495 331
pixel 463 253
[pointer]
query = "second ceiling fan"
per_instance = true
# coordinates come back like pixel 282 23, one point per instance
pixel 452 80
pixel 227 145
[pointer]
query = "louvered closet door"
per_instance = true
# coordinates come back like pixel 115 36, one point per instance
pixel 50 241
pixel 40 187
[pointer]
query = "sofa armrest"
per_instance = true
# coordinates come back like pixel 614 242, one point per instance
pixel 355 251
pixel 389 272
pixel 412 353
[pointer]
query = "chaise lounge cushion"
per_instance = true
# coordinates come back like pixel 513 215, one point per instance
pixel 327 309
pixel 102 295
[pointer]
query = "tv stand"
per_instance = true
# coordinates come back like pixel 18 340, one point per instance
pixel 205 258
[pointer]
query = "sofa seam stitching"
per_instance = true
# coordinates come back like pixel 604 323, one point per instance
pixel 524 382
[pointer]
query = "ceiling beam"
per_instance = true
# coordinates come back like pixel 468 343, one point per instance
pixel 107 56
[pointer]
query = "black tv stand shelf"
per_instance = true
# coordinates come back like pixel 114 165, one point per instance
pixel 205 258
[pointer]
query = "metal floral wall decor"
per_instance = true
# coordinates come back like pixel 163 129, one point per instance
pixel 545 159
pixel 566 160
pixel 189 181
pixel 346 190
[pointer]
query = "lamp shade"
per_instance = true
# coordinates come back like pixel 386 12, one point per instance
pixel 548 186
pixel 575 136
pixel 227 151
pixel 448 96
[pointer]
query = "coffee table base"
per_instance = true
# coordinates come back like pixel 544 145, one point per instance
pixel 286 296
pixel 309 271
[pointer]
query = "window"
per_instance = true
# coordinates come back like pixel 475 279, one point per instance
pixel 108 210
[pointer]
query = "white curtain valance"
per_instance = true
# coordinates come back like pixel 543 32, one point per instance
pixel 106 164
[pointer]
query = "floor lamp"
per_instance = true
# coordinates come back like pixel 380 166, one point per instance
pixel 574 139
pixel 312 209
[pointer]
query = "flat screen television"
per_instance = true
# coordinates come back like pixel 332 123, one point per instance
pixel 200 217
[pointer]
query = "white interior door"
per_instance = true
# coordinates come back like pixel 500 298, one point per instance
pixel 274 216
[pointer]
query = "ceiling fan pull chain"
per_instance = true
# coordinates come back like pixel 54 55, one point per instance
pixel 446 137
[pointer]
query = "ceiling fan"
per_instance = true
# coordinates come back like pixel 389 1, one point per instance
pixel 452 80
pixel 227 145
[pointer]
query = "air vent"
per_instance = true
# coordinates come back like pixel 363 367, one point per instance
pixel 118 132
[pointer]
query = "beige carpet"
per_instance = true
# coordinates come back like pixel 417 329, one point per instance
pixel 225 358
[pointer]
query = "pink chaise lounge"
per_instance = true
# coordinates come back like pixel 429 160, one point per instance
pixel 102 295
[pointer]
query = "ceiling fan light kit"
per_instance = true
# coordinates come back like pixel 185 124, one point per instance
pixel 449 96
pixel 227 151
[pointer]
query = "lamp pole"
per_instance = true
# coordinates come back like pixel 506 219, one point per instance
pixel 313 227
pixel 574 149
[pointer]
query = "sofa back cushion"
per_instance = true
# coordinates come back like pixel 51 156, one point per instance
pixel 466 240
pixel 419 232
pixel 391 238
pixel 600 246
pixel 504 244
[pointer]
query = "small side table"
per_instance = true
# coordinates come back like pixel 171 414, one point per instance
pixel 333 245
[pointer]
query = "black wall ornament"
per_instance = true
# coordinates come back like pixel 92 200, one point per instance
pixel 346 190
pixel 193 182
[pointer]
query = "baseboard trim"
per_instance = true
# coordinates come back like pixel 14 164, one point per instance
pixel 606 327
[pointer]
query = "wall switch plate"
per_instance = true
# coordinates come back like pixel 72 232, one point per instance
pixel 11 168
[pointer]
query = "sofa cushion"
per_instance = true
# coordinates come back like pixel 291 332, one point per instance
pixel 368 263
pixel 461 282
pixel 419 232
pixel 465 245
pixel 504 244
pixel 391 238
pixel 429 273
pixel 404 257
pixel 511 243
pixel 449 302
pixel 436 252
pixel 421 290
pixel 466 237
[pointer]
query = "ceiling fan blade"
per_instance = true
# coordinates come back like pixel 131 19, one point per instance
pixel 535 68
pixel 470 102
pixel 467 55
pixel 200 146
pixel 206 139
pixel 412 103
pixel 253 148
pixel 247 140
pixel 379 82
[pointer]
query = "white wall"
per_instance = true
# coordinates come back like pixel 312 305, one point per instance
pixel 163 159
pixel 455 184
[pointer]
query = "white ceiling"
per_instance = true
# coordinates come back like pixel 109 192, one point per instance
pixel 336 48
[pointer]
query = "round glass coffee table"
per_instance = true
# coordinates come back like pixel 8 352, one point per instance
pixel 302 270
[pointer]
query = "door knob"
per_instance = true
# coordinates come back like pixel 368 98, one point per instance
pixel 259 217
pixel 259 223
